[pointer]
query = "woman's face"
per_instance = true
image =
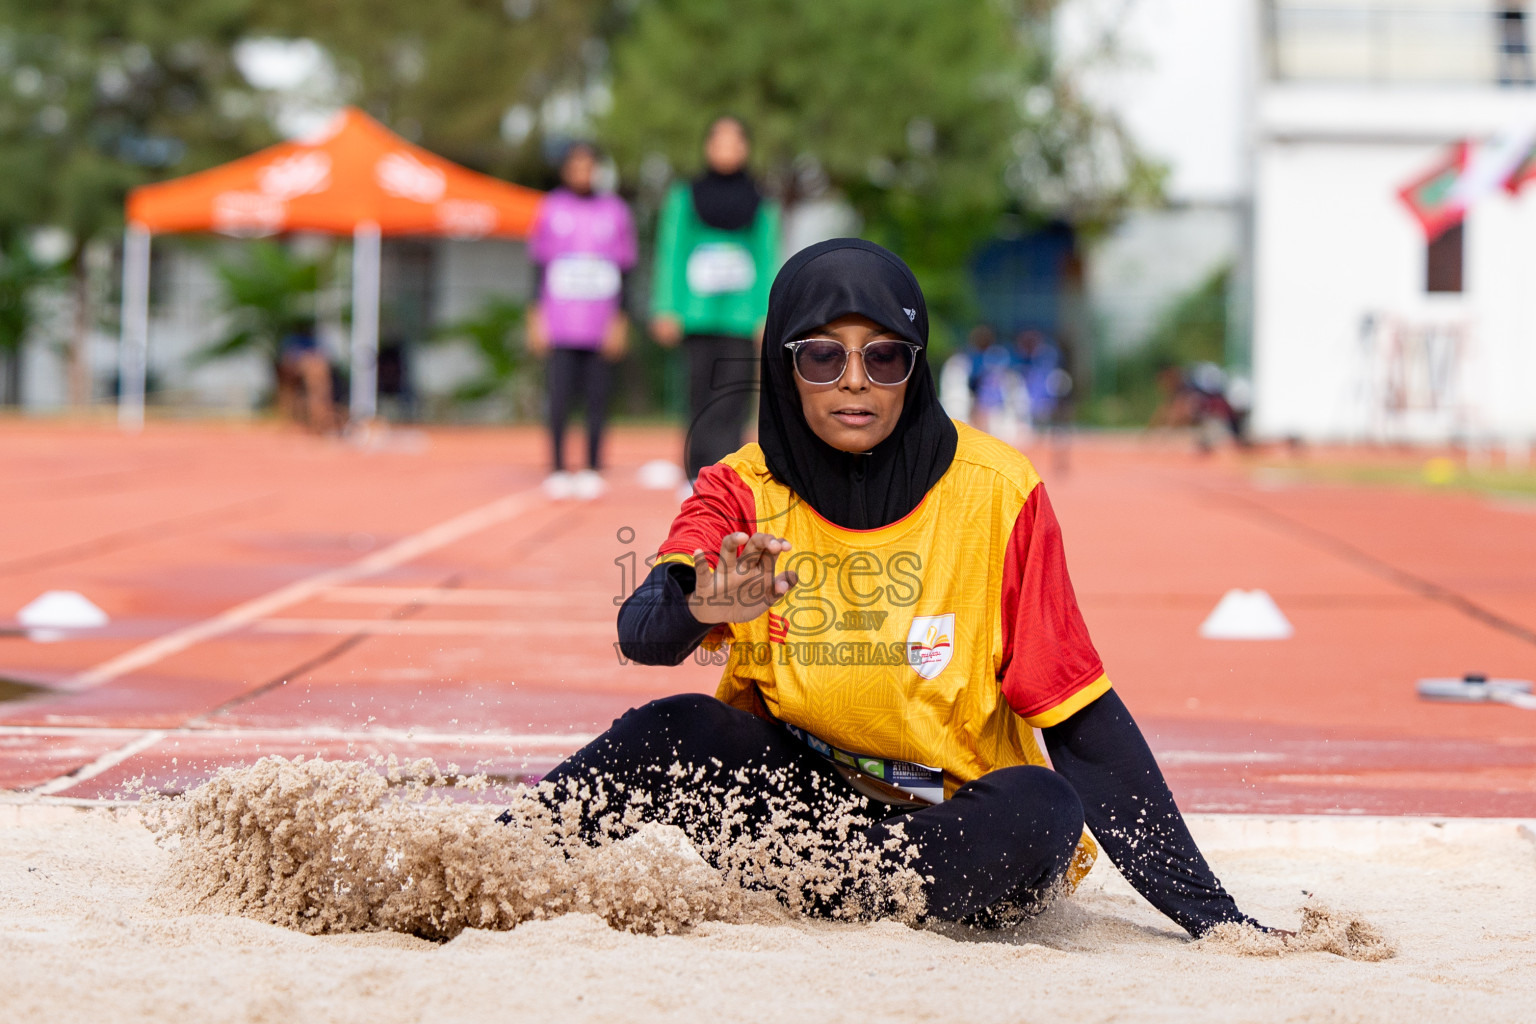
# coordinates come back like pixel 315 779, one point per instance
pixel 726 149
pixel 576 172
pixel 852 414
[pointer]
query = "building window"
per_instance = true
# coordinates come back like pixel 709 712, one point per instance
pixel 1443 265
pixel 1514 47
pixel 1426 42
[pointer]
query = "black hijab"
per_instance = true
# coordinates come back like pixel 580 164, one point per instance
pixel 856 491
pixel 726 201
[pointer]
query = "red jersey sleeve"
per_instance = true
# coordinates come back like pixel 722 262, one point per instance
pixel 1049 667
pixel 721 504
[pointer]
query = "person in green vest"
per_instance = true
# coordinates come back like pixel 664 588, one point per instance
pixel 717 249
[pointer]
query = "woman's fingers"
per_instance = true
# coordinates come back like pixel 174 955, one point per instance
pixel 741 584
pixel 765 563
pixel 728 546
pixel 761 545
pixel 744 574
pixel 753 547
pixel 757 552
pixel 705 582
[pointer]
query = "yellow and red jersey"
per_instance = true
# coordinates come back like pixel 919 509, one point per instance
pixel 940 639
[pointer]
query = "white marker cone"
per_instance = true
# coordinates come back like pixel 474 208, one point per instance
pixel 1246 615
pixel 659 475
pixel 47 616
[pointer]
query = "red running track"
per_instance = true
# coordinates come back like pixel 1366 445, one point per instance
pixel 271 593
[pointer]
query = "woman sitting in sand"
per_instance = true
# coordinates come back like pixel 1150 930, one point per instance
pixel 895 667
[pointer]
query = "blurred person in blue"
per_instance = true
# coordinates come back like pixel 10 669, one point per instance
pixel 992 367
pixel 717 248
pixel 583 244
pixel 1039 364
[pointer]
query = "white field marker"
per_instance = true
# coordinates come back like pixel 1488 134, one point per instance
pixel 1246 615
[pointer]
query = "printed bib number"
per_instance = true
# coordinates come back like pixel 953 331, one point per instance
pixel 719 267
pixel 582 278
pixel 917 782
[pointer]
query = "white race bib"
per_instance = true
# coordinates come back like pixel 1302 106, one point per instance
pixel 717 267
pixel 581 278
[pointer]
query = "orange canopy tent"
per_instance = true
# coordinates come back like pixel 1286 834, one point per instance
pixel 355 177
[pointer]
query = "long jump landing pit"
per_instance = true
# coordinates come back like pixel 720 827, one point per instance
pixel 271 594
pixel 88 934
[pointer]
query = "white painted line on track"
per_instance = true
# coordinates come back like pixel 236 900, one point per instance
pixel 29 808
pixel 319 732
pixel 142 740
pixel 110 759
pixel 436 627
pixel 540 599
pixel 70 730
pixel 397 554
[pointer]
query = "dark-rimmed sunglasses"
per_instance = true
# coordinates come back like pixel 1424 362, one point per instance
pixel 822 360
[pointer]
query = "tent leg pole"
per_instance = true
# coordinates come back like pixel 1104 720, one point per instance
pixel 133 342
pixel 366 260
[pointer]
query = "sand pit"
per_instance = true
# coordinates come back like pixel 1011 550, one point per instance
pixel 99 923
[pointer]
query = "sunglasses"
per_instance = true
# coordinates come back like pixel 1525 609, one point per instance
pixel 822 360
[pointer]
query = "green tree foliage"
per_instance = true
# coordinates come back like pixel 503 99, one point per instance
pixel 21 275
pixel 1193 329
pixel 445 74
pixel 931 117
pixel 269 293
pixel 495 333
pixel 97 96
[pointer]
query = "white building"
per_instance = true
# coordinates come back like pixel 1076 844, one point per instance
pixel 1180 76
pixel 1354 337
pixel 1288 127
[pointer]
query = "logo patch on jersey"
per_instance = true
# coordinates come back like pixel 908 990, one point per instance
pixel 931 643
pixel 778 628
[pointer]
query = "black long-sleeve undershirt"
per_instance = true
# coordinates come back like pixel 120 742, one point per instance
pixel 656 626
pixel 1132 813
pixel 1099 750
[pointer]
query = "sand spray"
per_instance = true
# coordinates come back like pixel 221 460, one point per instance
pixel 325 846
pixel 343 846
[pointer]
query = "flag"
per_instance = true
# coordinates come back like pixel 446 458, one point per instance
pixel 1523 172
pixel 1494 164
pixel 1433 197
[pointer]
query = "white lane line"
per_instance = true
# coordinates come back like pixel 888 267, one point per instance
pixel 436 627
pixel 540 599
pixel 110 759
pixel 398 553
pixel 142 741
pixel 69 730
pixel 319 732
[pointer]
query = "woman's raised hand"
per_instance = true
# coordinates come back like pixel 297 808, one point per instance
pixel 742 586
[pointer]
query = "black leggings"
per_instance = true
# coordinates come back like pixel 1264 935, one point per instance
pixel 571 369
pixel 999 847
pixel 721 372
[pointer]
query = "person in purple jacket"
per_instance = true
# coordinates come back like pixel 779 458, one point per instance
pixel 583 244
